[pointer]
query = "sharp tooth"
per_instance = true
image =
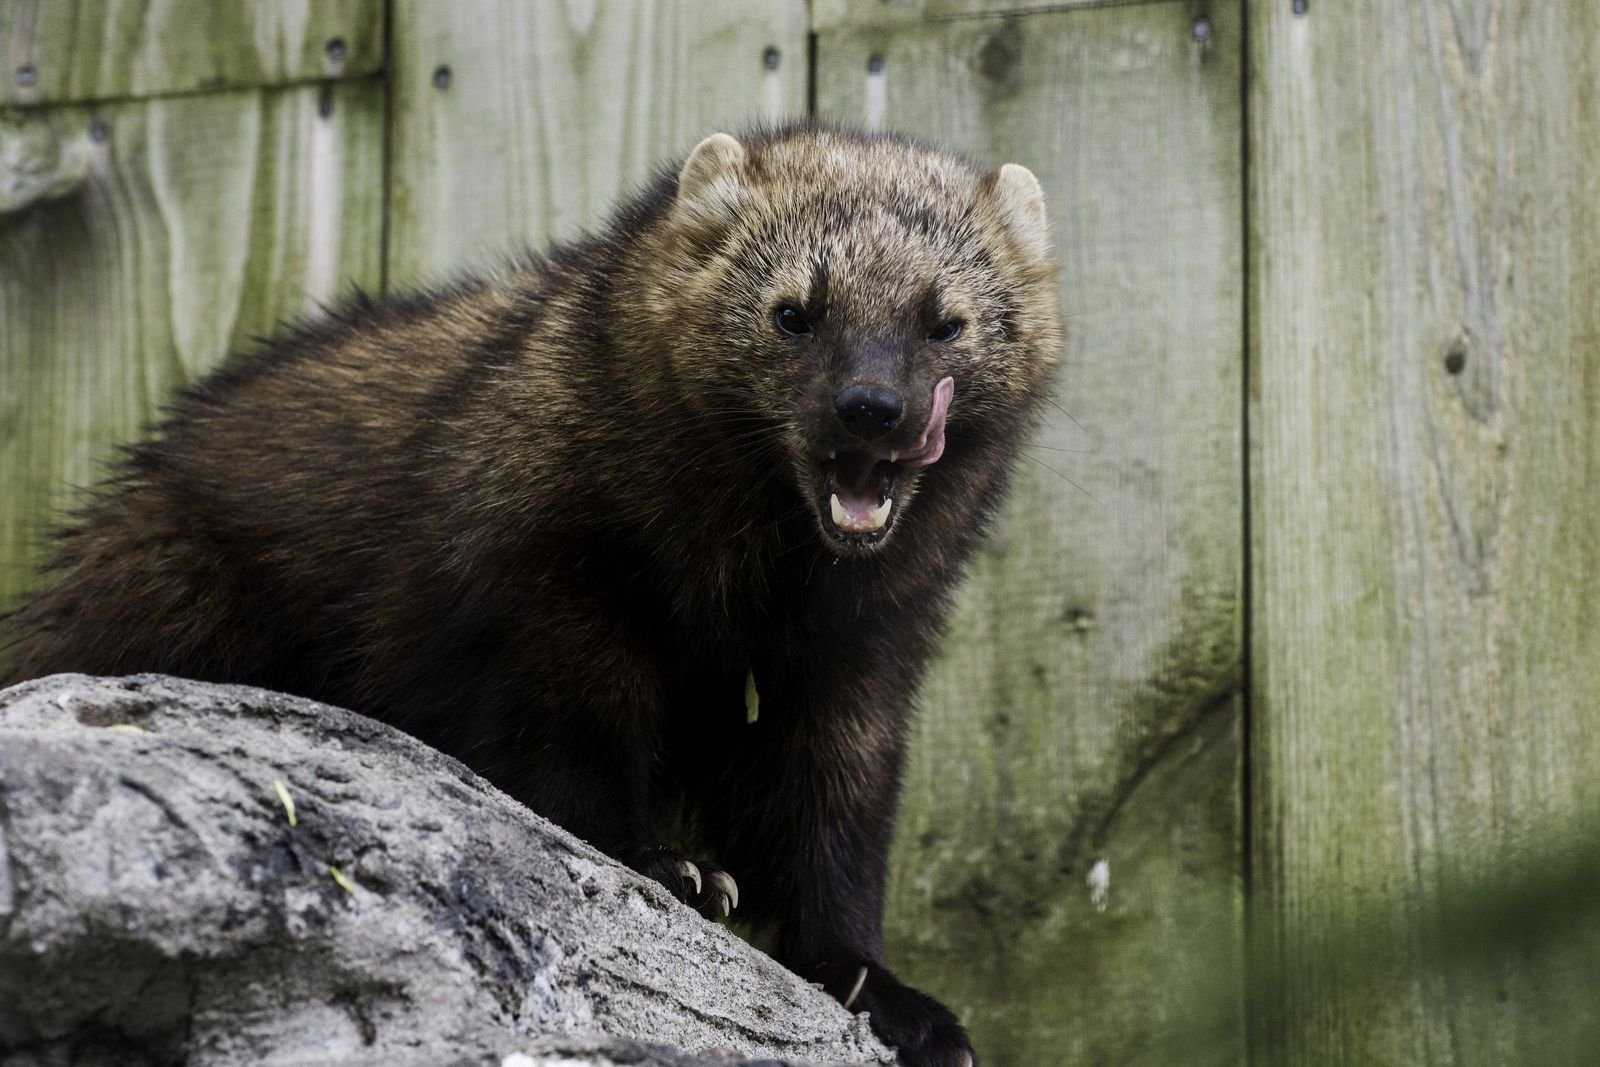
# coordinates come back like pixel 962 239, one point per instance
pixel 894 455
pixel 833 453
pixel 873 522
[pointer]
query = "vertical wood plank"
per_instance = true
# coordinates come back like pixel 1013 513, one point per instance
pixel 838 14
pixel 204 221
pixel 1069 854
pixel 1425 346
pixel 60 51
pixel 525 122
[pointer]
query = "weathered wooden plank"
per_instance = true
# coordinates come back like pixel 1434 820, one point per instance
pixel 838 14
pixel 1425 387
pixel 203 221
pixel 525 122
pixel 74 50
pixel 1085 710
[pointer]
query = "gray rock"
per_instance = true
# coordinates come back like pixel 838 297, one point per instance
pixel 158 906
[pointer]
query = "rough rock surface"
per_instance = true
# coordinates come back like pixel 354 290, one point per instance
pixel 157 904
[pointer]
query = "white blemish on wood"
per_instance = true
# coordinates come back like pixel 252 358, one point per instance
pixel 773 94
pixel 1099 881
pixel 324 188
pixel 877 100
pixel 580 16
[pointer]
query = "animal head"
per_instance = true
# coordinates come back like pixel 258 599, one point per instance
pixel 866 301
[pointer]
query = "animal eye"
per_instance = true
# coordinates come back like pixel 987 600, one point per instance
pixel 792 321
pixel 947 331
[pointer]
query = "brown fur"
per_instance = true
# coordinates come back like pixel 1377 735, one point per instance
pixel 549 523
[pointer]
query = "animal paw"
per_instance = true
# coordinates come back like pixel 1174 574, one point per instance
pixel 923 1031
pixel 705 887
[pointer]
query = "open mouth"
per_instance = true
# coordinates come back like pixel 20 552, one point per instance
pixel 861 482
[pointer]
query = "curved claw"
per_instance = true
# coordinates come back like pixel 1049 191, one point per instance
pixel 855 990
pixel 723 883
pixel 692 873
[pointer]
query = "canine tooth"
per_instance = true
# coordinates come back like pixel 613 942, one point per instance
pixel 833 453
pixel 837 509
pixel 880 514
pixel 894 455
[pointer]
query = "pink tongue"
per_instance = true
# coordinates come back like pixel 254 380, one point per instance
pixel 857 484
pixel 858 511
pixel 858 491
pixel 930 446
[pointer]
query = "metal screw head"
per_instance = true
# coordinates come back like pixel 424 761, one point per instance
pixel 335 50
pixel 771 57
pixel 441 76
pixel 875 64
pixel 1201 30
pixel 27 76
pixel 99 130
pixel 1299 7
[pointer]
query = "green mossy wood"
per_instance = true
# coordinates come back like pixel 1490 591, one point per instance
pixel 523 123
pixel 203 221
pixel 1425 488
pixel 57 51
pixel 849 14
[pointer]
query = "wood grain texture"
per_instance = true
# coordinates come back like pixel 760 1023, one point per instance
pixel 74 50
pixel 525 123
pixel 1086 708
pixel 204 221
pixel 838 14
pixel 1425 346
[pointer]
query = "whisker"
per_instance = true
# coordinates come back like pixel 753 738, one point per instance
pixel 1064 478
pixel 1065 412
pixel 1074 451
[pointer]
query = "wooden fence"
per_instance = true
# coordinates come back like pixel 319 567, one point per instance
pixel 1298 600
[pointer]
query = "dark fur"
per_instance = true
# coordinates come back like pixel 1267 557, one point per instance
pixel 547 524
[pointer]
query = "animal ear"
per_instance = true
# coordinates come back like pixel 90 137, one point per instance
pixel 711 183
pixel 1021 203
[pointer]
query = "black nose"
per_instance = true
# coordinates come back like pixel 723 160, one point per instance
pixel 868 411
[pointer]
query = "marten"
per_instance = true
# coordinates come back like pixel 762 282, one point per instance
pixel 657 532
